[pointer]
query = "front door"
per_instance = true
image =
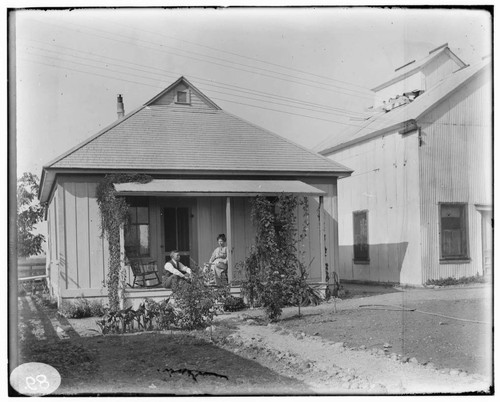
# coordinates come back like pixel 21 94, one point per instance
pixel 176 229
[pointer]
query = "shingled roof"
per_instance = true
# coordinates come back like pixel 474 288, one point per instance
pixel 192 136
pixel 165 135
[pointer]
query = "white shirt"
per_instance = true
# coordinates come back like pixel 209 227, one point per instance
pixel 170 268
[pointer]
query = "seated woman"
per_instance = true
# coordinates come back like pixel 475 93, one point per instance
pixel 218 261
pixel 175 271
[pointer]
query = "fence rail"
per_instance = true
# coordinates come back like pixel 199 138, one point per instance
pixel 30 268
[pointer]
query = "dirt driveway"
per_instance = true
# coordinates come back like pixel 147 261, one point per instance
pixel 445 327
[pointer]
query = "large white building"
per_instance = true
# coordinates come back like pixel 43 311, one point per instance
pixel 418 205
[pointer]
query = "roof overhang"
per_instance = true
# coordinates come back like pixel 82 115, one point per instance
pixel 212 188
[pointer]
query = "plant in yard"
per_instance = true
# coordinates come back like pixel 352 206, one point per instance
pixel 275 274
pixel 195 302
pixel 29 213
pixel 113 211
pixel 82 308
pixel 149 316
pixel 453 281
pixel 234 304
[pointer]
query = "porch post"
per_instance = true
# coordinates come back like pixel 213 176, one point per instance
pixel 121 290
pixel 229 239
pixel 322 239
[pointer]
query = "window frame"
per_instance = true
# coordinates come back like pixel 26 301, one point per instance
pixel 135 203
pixel 187 92
pixel 361 260
pixel 464 256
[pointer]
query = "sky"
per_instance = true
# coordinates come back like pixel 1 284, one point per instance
pixel 303 73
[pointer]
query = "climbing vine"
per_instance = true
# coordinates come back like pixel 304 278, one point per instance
pixel 113 211
pixel 275 272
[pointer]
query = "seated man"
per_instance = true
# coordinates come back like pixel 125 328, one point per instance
pixel 175 271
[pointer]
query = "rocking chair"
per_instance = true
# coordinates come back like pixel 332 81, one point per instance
pixel 145 274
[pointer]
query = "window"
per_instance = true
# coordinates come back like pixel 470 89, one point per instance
pixel 183 97
pixel 137 228
pixel 453 236
pixel 360 230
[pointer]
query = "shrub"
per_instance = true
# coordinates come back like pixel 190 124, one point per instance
pixel 195 302
pixel 234 304
pixel 82 308
pixel 453 281
pixel 150 315
pixel 275 275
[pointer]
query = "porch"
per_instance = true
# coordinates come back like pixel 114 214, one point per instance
pixel 187 215
pixel 134 296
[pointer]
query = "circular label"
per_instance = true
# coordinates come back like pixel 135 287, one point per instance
pixel 35 379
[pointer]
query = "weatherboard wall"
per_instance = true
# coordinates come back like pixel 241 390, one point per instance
pixel 456 167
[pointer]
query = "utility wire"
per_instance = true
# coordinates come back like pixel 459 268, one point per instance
pixel 240 55
pixel 162 73
pixel 221 92
pixel 224 65
pixel 156 86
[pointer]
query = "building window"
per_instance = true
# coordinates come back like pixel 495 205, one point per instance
pixel 183 97
pixel 137 242
pixel 360 230
pixel 453 233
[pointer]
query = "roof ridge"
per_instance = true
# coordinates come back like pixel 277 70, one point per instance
pixel 188 83
pixel 288 141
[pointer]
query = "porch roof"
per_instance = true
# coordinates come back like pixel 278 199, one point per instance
pixel 237 188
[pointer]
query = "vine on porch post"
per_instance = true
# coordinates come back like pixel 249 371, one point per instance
pixel 275 272
pixel 113 211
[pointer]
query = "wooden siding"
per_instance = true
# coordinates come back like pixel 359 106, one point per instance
pixel 84 255
pixel 243 233
pixel 211 223
pixel 456 167
pixel 52 257
pixel 385 183
pixel 169 99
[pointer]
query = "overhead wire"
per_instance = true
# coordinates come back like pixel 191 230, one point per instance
pixel 225 65
pixel 156 86
pixel 161 72
pixel 240 55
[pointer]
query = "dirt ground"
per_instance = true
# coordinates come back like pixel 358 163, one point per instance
pixel 153 364
pixel 335 348
pixel 445 342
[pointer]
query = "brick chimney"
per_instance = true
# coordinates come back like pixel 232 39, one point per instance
pixel 119 107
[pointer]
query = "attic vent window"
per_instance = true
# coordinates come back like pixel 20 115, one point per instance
pixel 183 97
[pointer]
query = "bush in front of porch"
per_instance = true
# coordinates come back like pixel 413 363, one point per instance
pixel 275 273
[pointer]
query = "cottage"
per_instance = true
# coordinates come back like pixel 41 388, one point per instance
pixel 206 165
pixel 418 205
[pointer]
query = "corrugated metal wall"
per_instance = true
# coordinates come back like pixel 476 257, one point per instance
pixel 385 183
pixel 455 166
